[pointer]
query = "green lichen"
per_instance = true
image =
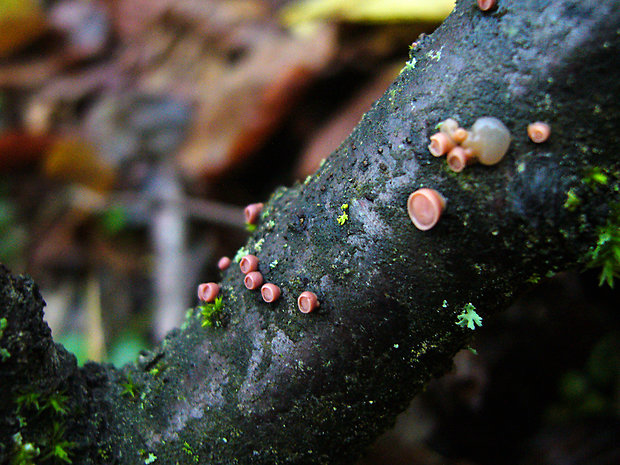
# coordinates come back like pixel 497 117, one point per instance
pixel 468 317
pixel 259 244
pixel 342 219
pixel 212 313
pixel 606 253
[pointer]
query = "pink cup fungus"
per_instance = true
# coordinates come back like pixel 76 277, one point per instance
pixel 207 292
pixel 459 135
pixel 307 302
pixel 459 158
pixel 253 280
pixel 270 292
pixel 538 132
pixel 223 263
pixel 252 212
pixel 248 263
pixel 425 207
pixel 440 144
pixel 487 5
pixel 488 140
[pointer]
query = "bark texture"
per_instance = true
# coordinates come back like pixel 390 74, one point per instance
pixel 274 386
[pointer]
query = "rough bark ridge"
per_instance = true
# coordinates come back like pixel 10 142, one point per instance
pixel 274 386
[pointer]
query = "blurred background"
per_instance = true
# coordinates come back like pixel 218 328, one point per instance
pixel 133 133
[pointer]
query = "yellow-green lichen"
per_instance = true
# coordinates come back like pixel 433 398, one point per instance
pixel 342 219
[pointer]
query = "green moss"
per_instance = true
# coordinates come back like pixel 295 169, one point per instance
pixel 189 451
pixel 42 420
pixel 242 252
pixel 606 253
pixel 130 388
pixel 572 200
pixel 596 175
pixel 212 313
pixel 24 453
pixel 4 354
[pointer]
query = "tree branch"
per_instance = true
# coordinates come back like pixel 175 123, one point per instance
pixel 273 385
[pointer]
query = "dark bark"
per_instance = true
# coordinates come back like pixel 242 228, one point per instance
pixel 273 385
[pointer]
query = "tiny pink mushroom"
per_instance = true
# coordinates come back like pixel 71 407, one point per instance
pixel 248 263
pixel 425 207
pixel 487 5
pixel 440 144
pixel 253 280
pixel 223 263
pixel 270 292
pixel 459 135
pixel 538 132
pixel 208 291
pixel 459 158
pixel 307 302
pixel 252 212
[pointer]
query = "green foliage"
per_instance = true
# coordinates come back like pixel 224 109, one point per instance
pixel 28 400
pixel 4 354
pixel 212 312
pixel 189 451
pixel 468 317
pixel 24 453
pixel 596 175
pixel 606 253
pixel 129 387
pixel 242 252
pixel 40 417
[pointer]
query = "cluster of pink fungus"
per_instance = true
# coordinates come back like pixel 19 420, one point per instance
pixel 425 207
pixel 486 142
pixel 253 279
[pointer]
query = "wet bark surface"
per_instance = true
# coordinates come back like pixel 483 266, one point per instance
pixel 271 385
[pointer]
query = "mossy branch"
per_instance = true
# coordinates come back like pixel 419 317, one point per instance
pixel 271 385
